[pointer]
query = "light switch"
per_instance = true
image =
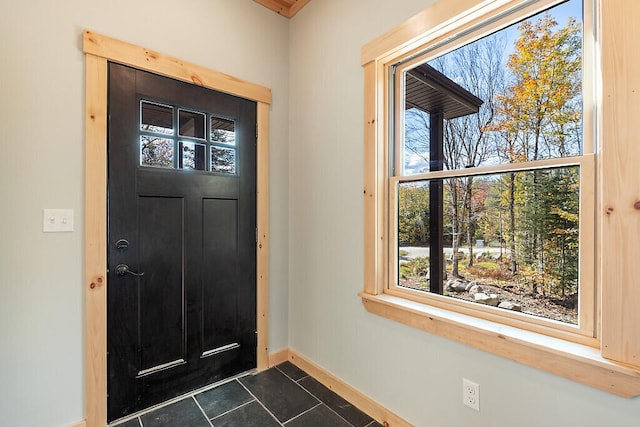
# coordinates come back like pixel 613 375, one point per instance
pixel 57 220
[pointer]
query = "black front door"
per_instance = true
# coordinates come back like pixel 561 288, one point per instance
pixel 182 230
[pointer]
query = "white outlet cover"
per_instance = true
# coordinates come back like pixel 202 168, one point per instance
pixel 471 394
pixel 57 220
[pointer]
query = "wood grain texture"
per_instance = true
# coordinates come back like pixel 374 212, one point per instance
pixel 96 240
pixel 262 247
pixel 372 244
pixel 433 25
pixel 620 181
pixel 287 8
pixel 614 321
pixel 148 60
pixel 347 392
pixel 99 50
pixel 584 333
pixel 424 24
pixel 574 361
pixel 296 6
pixel 278 357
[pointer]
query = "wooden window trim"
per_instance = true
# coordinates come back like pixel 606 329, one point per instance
pixel 582 333
pixel 99 50
pixel 611 362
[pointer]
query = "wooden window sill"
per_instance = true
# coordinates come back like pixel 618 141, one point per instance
pixel 570 360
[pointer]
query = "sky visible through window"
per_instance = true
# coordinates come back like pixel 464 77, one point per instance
pixel 509 99
pixel 417 162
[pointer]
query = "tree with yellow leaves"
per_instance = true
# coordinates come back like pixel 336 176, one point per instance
pixel 540 116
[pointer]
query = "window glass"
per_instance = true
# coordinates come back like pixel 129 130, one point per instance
pixel 223 131
pixel 159 142
pixel 506 234
pixel 156 151
pixel 156 118
pixel 223 160
pixel 521 244
pixel 192 156
pixel 513 96
pixel 191 124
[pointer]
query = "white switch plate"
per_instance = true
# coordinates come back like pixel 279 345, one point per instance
pixel 57 220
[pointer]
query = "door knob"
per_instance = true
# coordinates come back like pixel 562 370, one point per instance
pixel 122 244
pixel 122 269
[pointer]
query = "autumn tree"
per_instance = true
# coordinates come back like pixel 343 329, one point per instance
pixel 540 116
pixel 479 68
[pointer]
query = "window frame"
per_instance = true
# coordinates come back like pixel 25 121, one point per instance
pixel 577 356
pixel 585 331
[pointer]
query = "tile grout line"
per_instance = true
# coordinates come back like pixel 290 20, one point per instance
pixel 289 376
pixel 234 408
pixel 304 412
pixel 260 403
pixel 201 410
pixel 177 399
pixel 237 378
pixel 329 407
pixel 317 398
pixel 126 419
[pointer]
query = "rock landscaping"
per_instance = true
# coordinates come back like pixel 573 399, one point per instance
pixel 507 296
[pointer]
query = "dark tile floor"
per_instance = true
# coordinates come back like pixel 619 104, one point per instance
pixel 281 396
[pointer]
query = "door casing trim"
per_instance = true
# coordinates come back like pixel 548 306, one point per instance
pixel 99 50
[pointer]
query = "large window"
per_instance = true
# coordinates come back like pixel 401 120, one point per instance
pixel 501 189
pixel 492 174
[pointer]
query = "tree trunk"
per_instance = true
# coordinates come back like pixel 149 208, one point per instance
pixel 512 221
pixel 470 225
pixel 537 237
pixel 455 228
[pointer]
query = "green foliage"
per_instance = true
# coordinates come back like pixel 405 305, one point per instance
pixel 533 216
pixel 413 214
pixel 416 267
pixel 541 117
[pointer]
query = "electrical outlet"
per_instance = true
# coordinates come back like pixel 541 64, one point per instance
pixel 471 394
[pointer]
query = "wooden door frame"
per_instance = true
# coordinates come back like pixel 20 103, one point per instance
pixel 99 50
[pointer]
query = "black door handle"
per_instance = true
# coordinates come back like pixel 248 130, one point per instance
pixel 122 269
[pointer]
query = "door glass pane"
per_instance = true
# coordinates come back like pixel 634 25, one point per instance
pixel 156 118
pixel 191 124
pixel 223 131
pixel 155 151
pixel 223 160
pixel 192 156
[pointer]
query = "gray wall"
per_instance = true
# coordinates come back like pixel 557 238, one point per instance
pixel 42 166
pixel 312 63
pixel 415 374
